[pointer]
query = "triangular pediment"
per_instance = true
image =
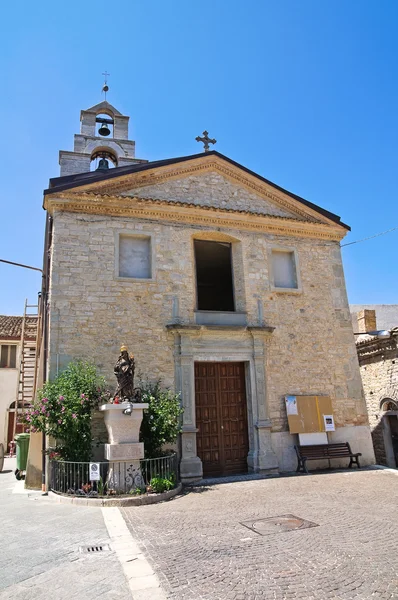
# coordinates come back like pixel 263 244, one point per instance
pixel 209 180
pixel 210 189
pixel 105 107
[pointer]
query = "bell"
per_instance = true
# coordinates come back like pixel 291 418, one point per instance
pixel 103 165
pixel 104 129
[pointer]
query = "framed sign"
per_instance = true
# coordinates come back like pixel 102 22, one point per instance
pixel 94 472
pixel 305 414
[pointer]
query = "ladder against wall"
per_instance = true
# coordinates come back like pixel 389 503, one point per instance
pixel 28 361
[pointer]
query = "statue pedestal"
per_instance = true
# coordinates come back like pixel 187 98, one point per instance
pixel 124 449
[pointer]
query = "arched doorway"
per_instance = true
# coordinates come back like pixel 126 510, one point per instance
pixel 10 426
pixel 390 430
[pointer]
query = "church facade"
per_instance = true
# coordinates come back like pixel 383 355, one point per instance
pixel 225 286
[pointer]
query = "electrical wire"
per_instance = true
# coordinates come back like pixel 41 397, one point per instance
pixel 370 237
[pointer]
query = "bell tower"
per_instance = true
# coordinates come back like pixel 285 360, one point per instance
pixel 103 138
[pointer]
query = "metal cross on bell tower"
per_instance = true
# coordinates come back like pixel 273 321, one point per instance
pixel 206 140
pixel 105 87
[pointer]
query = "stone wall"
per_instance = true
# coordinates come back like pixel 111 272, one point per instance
pixel 378 359
pixel 311 351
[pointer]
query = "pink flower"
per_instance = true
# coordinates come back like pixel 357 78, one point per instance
pixel 45 400
pixel 28 418
pixel 82 396
pixel 74 416
pixel 61 398
pixel 63 409
pixel 43 409
pixel 59 421
pixel 36 412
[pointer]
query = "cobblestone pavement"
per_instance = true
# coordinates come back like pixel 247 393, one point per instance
pixel 200 550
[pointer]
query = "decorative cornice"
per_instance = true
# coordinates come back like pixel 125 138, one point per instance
pixel 122 199
pixel 203 165
pixel 149 209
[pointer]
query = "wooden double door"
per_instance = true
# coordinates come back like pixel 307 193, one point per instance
pixel 221 417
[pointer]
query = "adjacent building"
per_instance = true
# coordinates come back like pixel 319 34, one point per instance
pixel 10 345
pixel 378 360
pixel 223 284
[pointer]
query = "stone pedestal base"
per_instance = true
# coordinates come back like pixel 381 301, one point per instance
pixel 191 469
pixel 124 476
pixel 263 458
pixel 114 452
pixel 124 450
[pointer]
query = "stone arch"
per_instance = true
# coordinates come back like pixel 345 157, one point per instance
pixel 389 397
pixel 388 404
pixel 215 236
pixel 237 263
pixel 107 152
pixel 107 146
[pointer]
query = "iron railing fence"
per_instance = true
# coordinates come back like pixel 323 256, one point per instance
pixel 115 478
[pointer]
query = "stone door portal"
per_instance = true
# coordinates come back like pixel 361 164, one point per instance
pixel 221 417
pixel 394 436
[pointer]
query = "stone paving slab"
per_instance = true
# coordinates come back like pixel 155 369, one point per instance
pixel 199 549
pixel 39 543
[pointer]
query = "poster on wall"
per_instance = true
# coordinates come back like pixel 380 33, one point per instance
pixel 291 405
pixel 329 422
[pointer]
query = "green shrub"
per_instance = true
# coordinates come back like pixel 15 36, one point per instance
pixel 63 410
pixel 161 423
pixel 161 484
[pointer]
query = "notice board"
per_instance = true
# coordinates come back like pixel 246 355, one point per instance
pixel 305 414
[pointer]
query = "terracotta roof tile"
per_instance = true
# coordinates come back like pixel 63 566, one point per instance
pixel 11 327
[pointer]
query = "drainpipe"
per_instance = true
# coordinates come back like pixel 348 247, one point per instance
pixel 45 309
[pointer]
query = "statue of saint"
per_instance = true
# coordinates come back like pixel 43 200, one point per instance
pixel 124 370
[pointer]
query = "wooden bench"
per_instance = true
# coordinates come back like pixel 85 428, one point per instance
pixel 325 452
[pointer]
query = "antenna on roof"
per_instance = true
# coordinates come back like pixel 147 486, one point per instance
pixel 105 87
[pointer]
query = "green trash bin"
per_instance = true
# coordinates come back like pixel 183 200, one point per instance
pixel 22 442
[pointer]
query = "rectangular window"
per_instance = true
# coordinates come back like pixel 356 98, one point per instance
pixel 214 276
pixel 135 256
pixel 284 269
pixel 8 356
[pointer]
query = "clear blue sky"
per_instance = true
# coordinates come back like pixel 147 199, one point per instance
pixel 304 92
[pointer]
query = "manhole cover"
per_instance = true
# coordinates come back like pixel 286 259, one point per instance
pixel 278 524
pixel 94 548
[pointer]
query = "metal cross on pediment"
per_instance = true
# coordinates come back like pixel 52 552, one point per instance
pixel 206 140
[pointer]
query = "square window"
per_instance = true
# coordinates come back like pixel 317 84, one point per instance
pixel 135 256
pixel 214 279
pixel 8 356
pixel 284 269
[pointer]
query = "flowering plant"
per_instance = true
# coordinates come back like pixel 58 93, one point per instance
pixel 63 409
pixel 161 423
